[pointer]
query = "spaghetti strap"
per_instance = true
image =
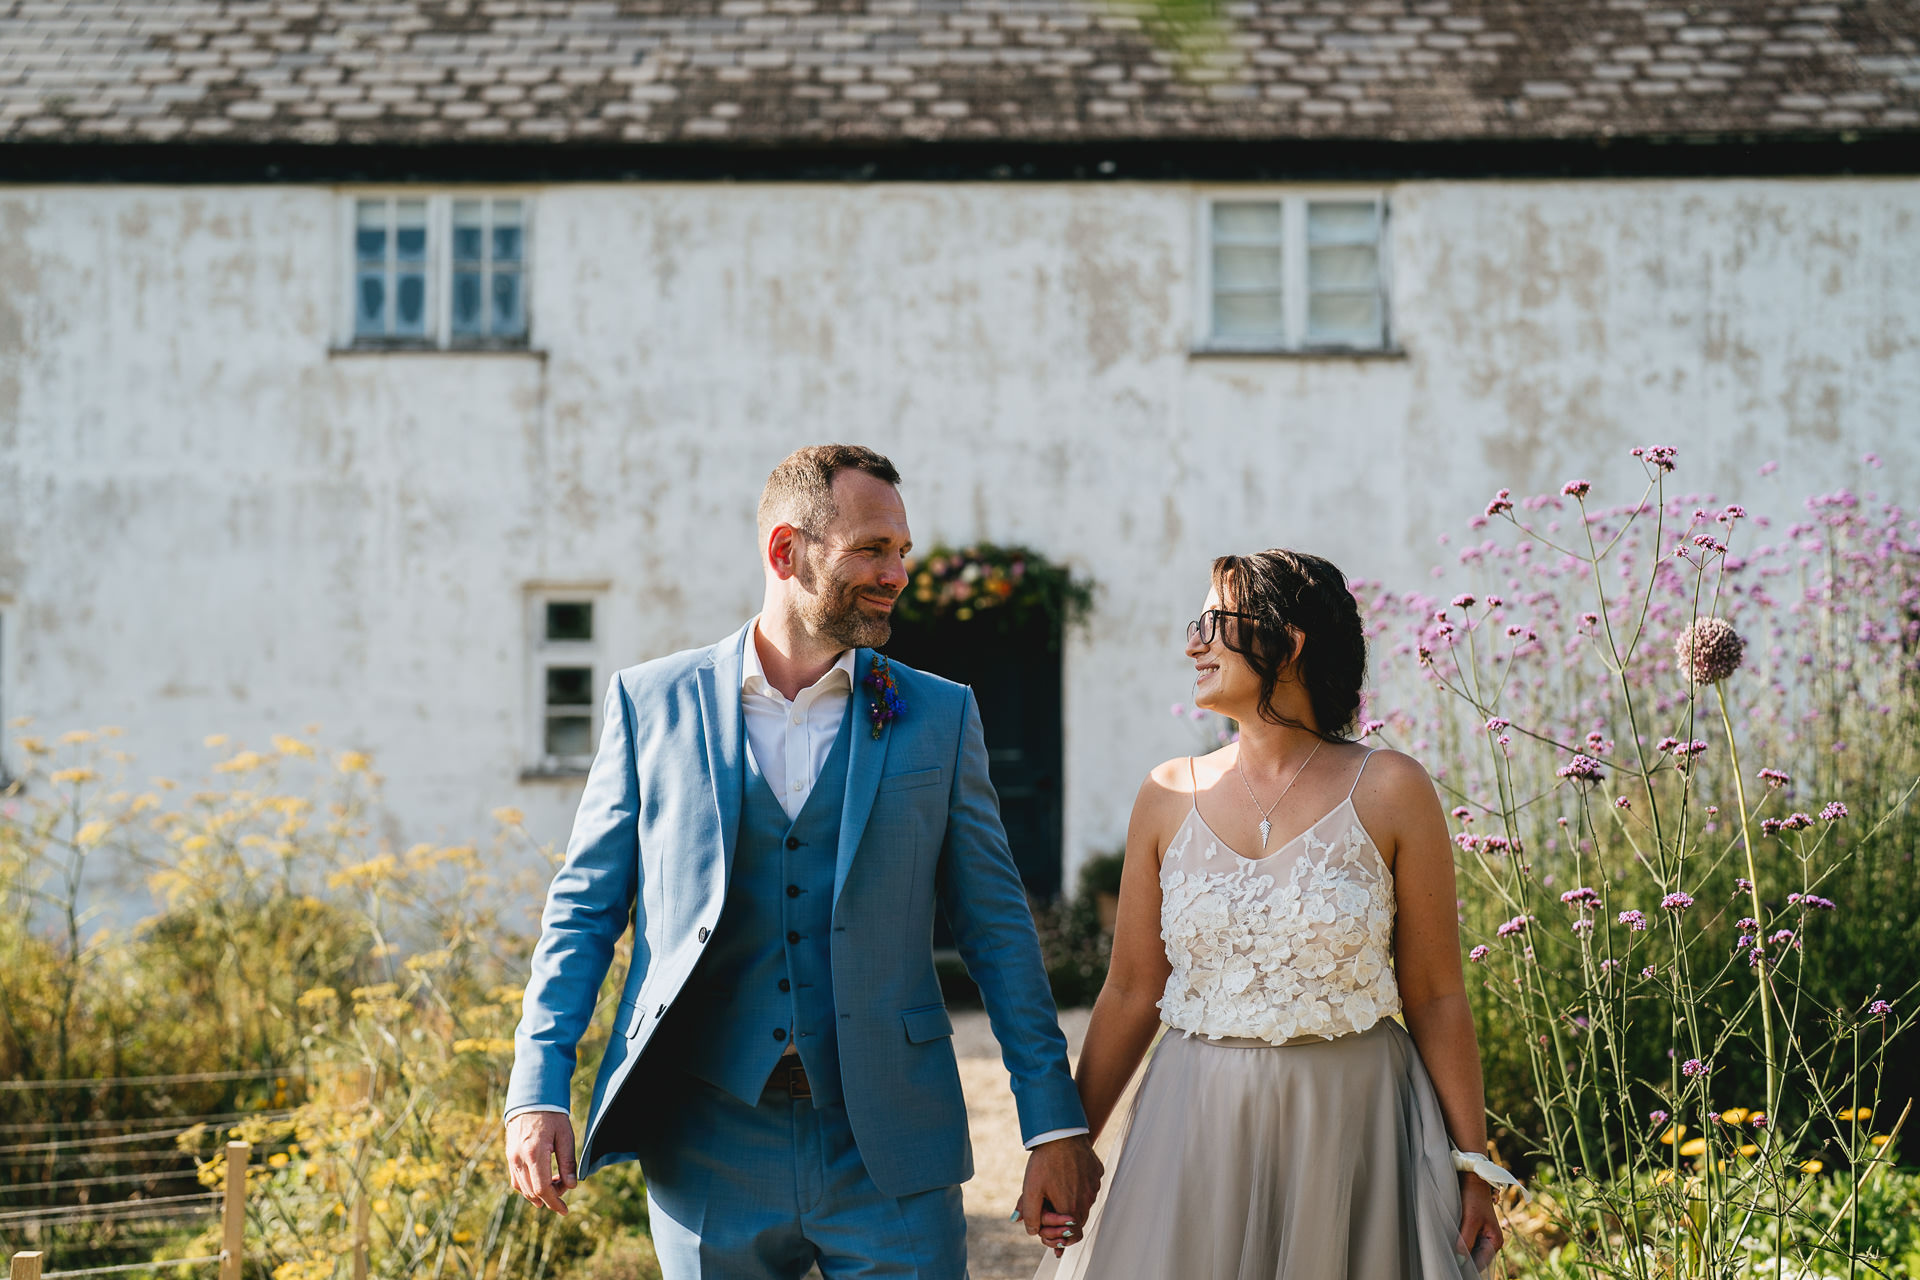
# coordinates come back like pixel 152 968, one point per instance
pixel 1193 793
pixel 1363 769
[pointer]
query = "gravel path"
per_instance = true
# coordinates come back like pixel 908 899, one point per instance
pixel 997 1249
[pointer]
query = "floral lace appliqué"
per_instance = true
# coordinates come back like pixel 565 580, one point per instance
pixel 1270 951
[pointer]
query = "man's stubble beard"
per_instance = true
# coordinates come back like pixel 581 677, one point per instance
pixel 829 607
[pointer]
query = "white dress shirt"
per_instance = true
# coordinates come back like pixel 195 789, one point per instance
pixel 790 742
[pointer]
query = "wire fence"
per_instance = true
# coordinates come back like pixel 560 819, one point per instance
pixel 60 1152
pixel 231 1206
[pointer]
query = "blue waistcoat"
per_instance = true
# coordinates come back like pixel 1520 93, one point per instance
pixel 766 979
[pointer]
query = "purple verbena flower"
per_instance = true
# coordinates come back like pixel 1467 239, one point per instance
pixel 1781 938
pixel 1479 953
pixel 1677 901
pixel 1576 488
pixel 1741 883
pixel 1463 601
pixel 1583 925
pixel 1501 504
pixel 1834 812
pixel 1775 777
pixel 1582 769
pixel 1796 822
pixel 1657 1117
pixel 1513 927
pixel 1746 922
pixel 1879 1008
pixel 1816 902
pixel 1581 897
pixel 1634 920
pixel 1693 1068
pixel 1770 826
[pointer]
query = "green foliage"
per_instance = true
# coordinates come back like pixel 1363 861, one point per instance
pixel 1689 892
pixel 369 991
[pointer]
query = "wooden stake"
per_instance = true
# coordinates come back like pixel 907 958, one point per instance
pixel 361 1209
pixel 26 1266
pixel 233 1228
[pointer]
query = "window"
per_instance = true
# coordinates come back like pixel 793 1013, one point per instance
pixel 438 271
pixel 568 675
pixel 1294 273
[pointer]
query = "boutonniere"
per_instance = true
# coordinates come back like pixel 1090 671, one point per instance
pixel 886 703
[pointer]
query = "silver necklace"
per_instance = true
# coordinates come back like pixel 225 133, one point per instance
pixel 1265 825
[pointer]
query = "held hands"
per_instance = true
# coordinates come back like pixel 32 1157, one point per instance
pixel 1063 1177
pixel 1480 1233
pixel 536 1140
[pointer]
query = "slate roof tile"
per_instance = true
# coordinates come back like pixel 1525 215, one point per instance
pixel 867 70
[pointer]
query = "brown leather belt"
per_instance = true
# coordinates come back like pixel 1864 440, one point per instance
pixel 791 1077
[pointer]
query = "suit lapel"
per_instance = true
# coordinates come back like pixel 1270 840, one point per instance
pixel 720 710
pixel 864 761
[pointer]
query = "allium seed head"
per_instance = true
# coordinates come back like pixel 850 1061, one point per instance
pixel 1709 651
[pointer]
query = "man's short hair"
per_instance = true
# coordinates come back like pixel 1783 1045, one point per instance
pixel 800 490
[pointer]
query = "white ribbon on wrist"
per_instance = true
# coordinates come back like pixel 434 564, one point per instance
pixel 1482 1167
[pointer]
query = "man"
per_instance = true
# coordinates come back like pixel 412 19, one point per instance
pixel 781 814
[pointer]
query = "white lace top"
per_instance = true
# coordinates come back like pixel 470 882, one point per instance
pixel 1298 943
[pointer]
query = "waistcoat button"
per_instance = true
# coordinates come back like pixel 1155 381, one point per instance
pixel 785 985
pixel 778 1034
pixel 792 936
pixel 793 891
pixel 793 842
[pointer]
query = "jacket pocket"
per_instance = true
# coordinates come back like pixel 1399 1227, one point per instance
pixel 929 1022
pixel 910 781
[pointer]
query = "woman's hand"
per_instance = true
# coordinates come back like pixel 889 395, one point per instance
pixel 1480 1234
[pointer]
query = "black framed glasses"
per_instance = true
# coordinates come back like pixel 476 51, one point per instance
pixel 1205 627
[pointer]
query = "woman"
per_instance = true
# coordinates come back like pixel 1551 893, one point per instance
pixel 1281 898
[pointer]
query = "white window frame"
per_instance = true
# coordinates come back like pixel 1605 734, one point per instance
pixel 439 335
pixel 1293 202
pixel 543 653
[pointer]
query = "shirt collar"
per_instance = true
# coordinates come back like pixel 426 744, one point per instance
pixel 753 676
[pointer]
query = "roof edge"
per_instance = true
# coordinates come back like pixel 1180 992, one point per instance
pixel 1808 154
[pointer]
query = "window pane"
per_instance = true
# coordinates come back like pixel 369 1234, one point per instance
pixel 569 686
pixel 370 230
pixel 508 318
pixel 410 303
pixel 370 302
pixel 466 300
pixel 410 230
pixel 1344 267
pixel 1246 220
pixel 570 620
pixel 1344 317
pixel 506 243
pixel 1246 266
pixel 569 736
pixel 1343 222
pixel 1248 316
pixel 468 231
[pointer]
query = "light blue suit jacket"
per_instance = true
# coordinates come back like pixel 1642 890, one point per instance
pixel 654 841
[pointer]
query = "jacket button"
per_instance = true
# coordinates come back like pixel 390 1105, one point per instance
pixel 778 1034
pixel 661 1012
pixel 793 891
pixel 703 933
pixel 785 985
pixel 792 936
pixel 793 842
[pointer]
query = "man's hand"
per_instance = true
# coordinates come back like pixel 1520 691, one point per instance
pixel 1063 1177
pixel 1480 1234
pixel 536 1140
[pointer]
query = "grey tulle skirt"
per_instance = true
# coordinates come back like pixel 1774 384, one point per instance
pixel 1319 1161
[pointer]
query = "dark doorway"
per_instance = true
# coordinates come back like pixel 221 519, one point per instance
pixel 1014 669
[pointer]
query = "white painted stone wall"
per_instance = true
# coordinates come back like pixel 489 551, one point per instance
pixel 209 522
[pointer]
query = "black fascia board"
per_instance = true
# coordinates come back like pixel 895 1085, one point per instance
pixel 1152 160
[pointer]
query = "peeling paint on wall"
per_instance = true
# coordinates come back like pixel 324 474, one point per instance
pixel 209 522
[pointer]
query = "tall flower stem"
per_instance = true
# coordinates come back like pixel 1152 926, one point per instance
pixel 1763 970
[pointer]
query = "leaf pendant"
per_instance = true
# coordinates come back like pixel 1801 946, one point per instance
pixel 1265 827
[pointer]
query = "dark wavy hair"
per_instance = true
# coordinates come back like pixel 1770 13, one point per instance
pixel 1283 589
